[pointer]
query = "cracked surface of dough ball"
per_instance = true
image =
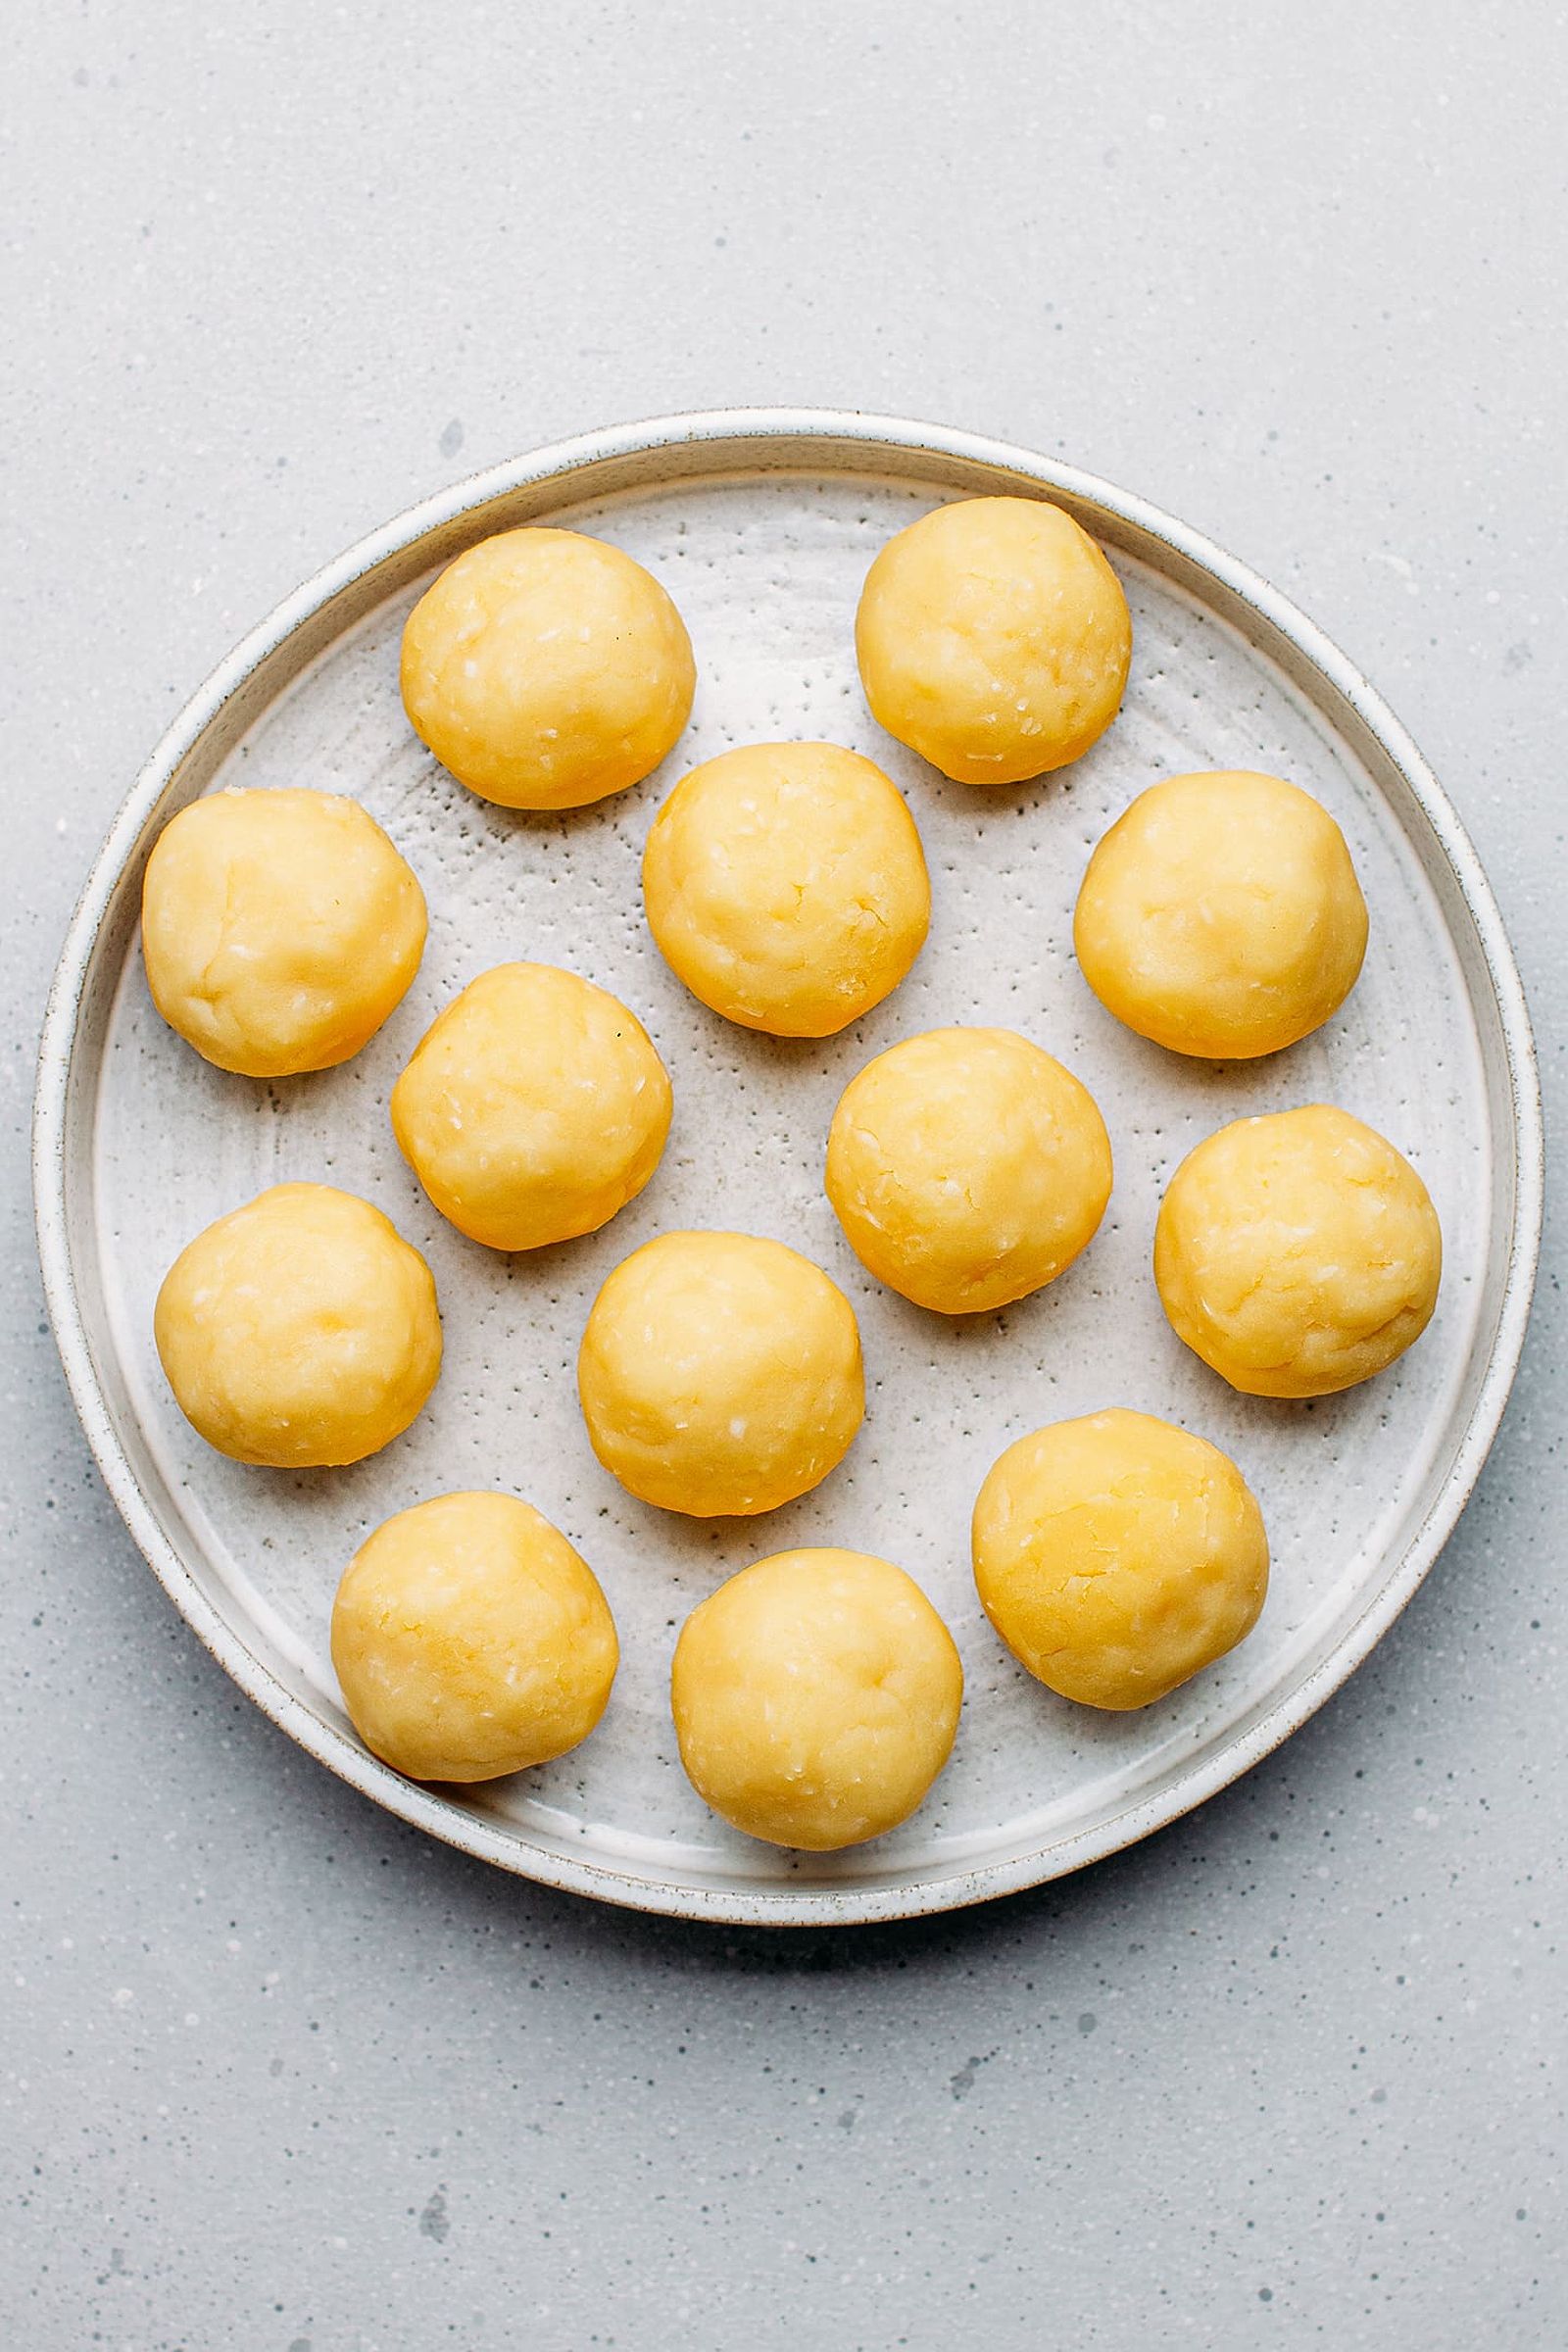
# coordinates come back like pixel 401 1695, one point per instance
pixel 968 1169
pixel 815 1697
pixel 279 928
pixel 533 1108
pixel 1297 1254
pixel 1221 916
pixel 993 639
pixel 547 669
pixel 299 1330
pixel 1116 1556
pixel 721 1373
pixel 786 885
pixel 470 1639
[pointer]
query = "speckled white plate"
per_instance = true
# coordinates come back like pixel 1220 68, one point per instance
pixel 761 524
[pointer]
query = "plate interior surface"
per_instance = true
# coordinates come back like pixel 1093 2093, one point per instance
pixel 765 567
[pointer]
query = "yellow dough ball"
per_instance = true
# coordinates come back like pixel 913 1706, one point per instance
pixel 547 669
pixel 279 928
pixel 815 1698
pixel 1116 1556
pixel 533 1108
pixel 300 1330
pixel 786 885
pixel 1221 916
pixel 1297 1254
pixel 472 1639
pixel 968 1169
pixel 993 639
pixel 721 1373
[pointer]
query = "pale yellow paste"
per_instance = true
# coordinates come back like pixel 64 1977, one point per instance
pixel 533 1108
pixel 721 1373
pixel 1297 1254
pixel 786 885
pixel 300 1330
pixel 472 1639
pixel 968 1168
pixel 279 928
pixel 1221 916
pixel 993 639
pixel 1116 1556
pixel 815 1698
pixel 547 669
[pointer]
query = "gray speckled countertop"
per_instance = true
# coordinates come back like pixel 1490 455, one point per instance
pixel 280 2075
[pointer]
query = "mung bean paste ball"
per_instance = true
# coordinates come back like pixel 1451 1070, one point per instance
pixel 547 669
pixel 279 927
pixel 993 639
pixel 815 1697
pixel 533 1108
pixel 299 1330
pixel 968 1169
pixel 721 1373
pixel 786 885
pixel 470 1639
pixel 1117 1557
pixel 1297 1254
pixel 1221 916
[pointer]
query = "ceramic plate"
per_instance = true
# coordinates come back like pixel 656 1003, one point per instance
pixel 762 526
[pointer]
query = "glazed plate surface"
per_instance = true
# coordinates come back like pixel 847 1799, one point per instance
pixel 762 526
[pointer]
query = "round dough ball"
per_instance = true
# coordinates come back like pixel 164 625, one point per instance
pixel 1297 1254
pixel 993 639
pixel 533 1108
pixel 968 1169
pixel 1116 1556
pixel 279 928
pixel 786 885
pixel 1221 916
pixel 472 1639
pixel 547 669
pixel 300 1330
pixel 815 1698
pixel 721 1373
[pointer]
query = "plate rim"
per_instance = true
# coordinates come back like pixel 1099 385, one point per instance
pixel 881 438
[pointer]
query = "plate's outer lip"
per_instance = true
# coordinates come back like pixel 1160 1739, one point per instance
pixel 884 440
